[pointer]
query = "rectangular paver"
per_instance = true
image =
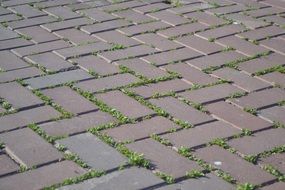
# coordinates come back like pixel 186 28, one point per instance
pixel 19 74
pixel 9 61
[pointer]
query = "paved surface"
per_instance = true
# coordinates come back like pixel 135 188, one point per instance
pixel 142 94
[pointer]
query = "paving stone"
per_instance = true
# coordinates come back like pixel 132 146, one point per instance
pixel 262 63
pixel 182 111
pixel 96 64
pixel 27 11
pixel 77 124
pixel 77 51
pixel 141 130
pixel 169 18
pixel 18 96
pixel 7 165
pixel 191 8
pixel 138 178
pixel 201 134
pixel 275 19
pixel 23 118
pixel 264 12
pixel 274 3
pixel 40 48
pixel 4 11
pixel 182 30
pixel 63 13
pixel 50 61
pixel 247 3
pixel 47 4
pixel 88 4
pixel 218 93
pixel 9 61
pixel 6 34
pixel 75 36
pixel 205 18
pixel 109 82
pixel 9 18
pixel 210 181
pixel 37 34
pixel 42 177
pixel 240 169
pixel 275 113
pixel 201 45
pixel 56 79
pixel 133 109
pixel 55 26
pixel 241 45
pixel 123 5
pixel 105 26
pixel 16 2
pixel 135 51
pixel 164 87
pixel 151 7
pixel 237 117
pixel 276 160
pixel 171 56
pixel 133 16
pixel 19 74
pixel 214 60
pixel 163 158
pixel 98 15
pixel 260 99
pixel 94 152
pixel 259 142
pixel 227 9
pixel 70 100
pixel 143 28
pixel 275 44
pixel 275 186
pixel 29 149
pixel 115 37
pixel 14 43
pixel 143 68
pixel 31 22
pixel 221 32
pixel 275 78
pixel 248 21
pixel 262 33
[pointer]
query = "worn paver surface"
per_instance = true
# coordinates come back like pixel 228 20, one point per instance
pixel 142 94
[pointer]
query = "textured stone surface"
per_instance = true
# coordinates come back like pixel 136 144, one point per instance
pixel 7 165
pixel 9 61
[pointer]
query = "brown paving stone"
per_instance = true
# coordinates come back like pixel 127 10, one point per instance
pixel 275 113
pixel 241 79
pixel 109 82
pixel 201 134
pixel 9 61
pixel 275 78
pixel 275 44
pixel 169 18
pixel 276 160
pixel 240 169
pixel 217 93
pixel 77 124
pixel 182 111
pixel 275 186
pixel 98 15
pixel 191 74
pixel 163 158
pixel 29 149
pixel 205 18
pixel 7 165
pixel 164 87
pixel 124 104
pixel 133 16
pixel 14 43
pixel 27 11
pixel 237 117
pixel 42 177
pixel 133 132
pixel 259 142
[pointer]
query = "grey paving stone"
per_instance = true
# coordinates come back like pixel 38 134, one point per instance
pixel 217 93
pixel 76 36
pixel 47 4
pixel 7 165
pixel 96 64
pixel 9 61
pixel 265 12
pixel 98 15
pixel 123 5
pixel 94 152
pixel 6 34
pixel 151 7
pixel 29 149
pixel 191 8
pixel 248 21
pixel 19 74
pixel 133 16
pixel 164 58
pixel 274 19
pixel 227 10
pixel 4 11
pixel 56 79
pixel 50 61
pixel 143 68
pixel 18 96
pixel 88 4
pixel 76 51
pixel 14 43
pixel 275 186
pixel 259 142
pixel 182 111
pixel 9 18
pixel 31 22
pixel 126 105
pixel 109 82
pixel 274 44
pixel 210 181
pixel 23 118
pixel 143 129
pixel 164 158
pixel 169 18
pixel 205 18
pixel 240 169
pixel 27 11
pixel 37 34
pixel 138 178
pixel 276 160
pixel 253 4
pixel 77 124
pixel 63 13
pixel 237 117
pixel 275 78
pixel 40 48
pixel 15 2
pixel 42 177
pixel 164 87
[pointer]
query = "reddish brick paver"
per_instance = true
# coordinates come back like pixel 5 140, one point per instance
pixel 136 94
